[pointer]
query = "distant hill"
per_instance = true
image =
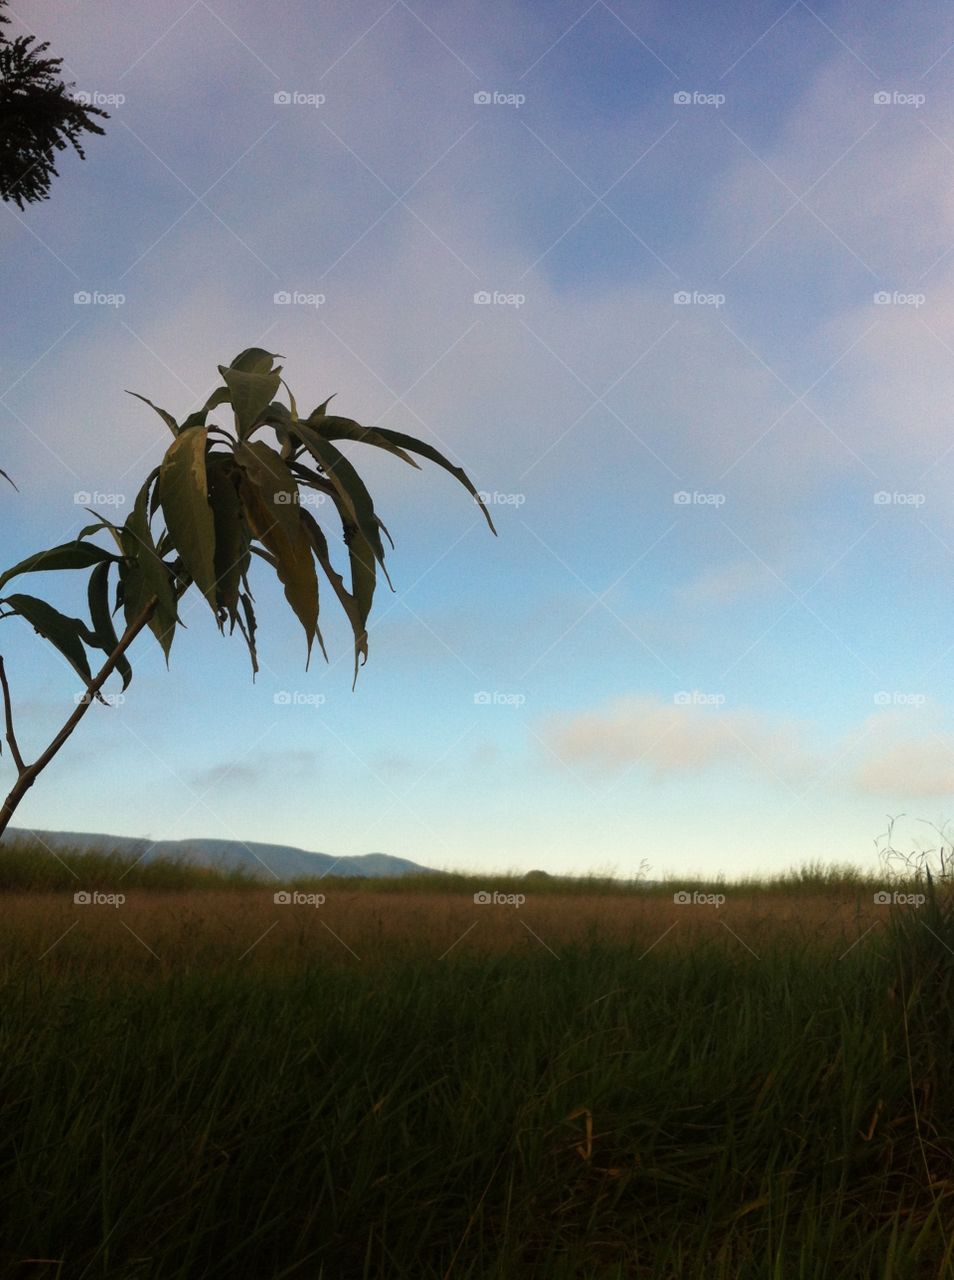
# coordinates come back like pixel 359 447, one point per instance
pixel 270 861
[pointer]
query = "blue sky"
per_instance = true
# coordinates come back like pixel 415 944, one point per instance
pixel 711 399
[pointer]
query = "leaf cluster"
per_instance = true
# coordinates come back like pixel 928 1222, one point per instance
pixel 218 497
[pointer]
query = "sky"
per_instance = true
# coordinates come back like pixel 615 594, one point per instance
pixel 673 282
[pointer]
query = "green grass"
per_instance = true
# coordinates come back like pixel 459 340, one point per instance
pixel 29 866
pixel 618 1111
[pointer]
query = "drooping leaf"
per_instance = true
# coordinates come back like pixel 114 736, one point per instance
pixel 183 496
pixel 9 481
pixel 266 556
pixel 334 428
pixel 349 487
pixel 247 629
pixel 280 418
pixel 275 483
pixel 69 555
pixel 103 629
pixel 232 535
pixel 357 613
pixel 167 418
pixel 293 560
pixel 250 393
pixel 311 478
pixel 138 541
pixel 144 575
pixel 361 560
pixel 385 437
pixel 135 593
pixel 66 634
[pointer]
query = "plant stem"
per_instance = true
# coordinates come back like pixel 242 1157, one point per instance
pixel 28 773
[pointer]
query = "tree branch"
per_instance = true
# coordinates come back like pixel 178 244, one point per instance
pixel 29 773
pixel 8 714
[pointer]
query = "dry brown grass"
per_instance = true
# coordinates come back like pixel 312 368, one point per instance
pixel 217 929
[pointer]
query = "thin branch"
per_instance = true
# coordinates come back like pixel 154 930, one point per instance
pixel 29 773
pixel 8 713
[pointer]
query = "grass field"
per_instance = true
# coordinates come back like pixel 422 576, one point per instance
pixel 398 1081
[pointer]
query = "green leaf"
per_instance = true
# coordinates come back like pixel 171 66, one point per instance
pixel 167 418
pixel 103 523
pixel 103 629
pixel 65 633
pixel 311 479
pixel 255 360
pixel 333 428
pixel 275 483
pixel 266 556
pixel 363 575
pixel 137 591
pixel 320 411
pixel 278 414
pixel 138 529
pixel 144 575
pixel 351 491
pixel 232 536
pixel 183 495
pixel 399 439
pixel 293 560
pixel 251 393
pixel 247 629
pixel 69 555
pixel 197 419
pixel 357 612
pixel 149 485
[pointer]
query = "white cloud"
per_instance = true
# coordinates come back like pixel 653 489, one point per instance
pixel 904 751
pixel 916 767
pixel 671 739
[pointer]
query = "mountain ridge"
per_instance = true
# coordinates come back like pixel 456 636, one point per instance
pixel 270 861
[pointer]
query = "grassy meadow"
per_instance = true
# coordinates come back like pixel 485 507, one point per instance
pixel 400 1081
